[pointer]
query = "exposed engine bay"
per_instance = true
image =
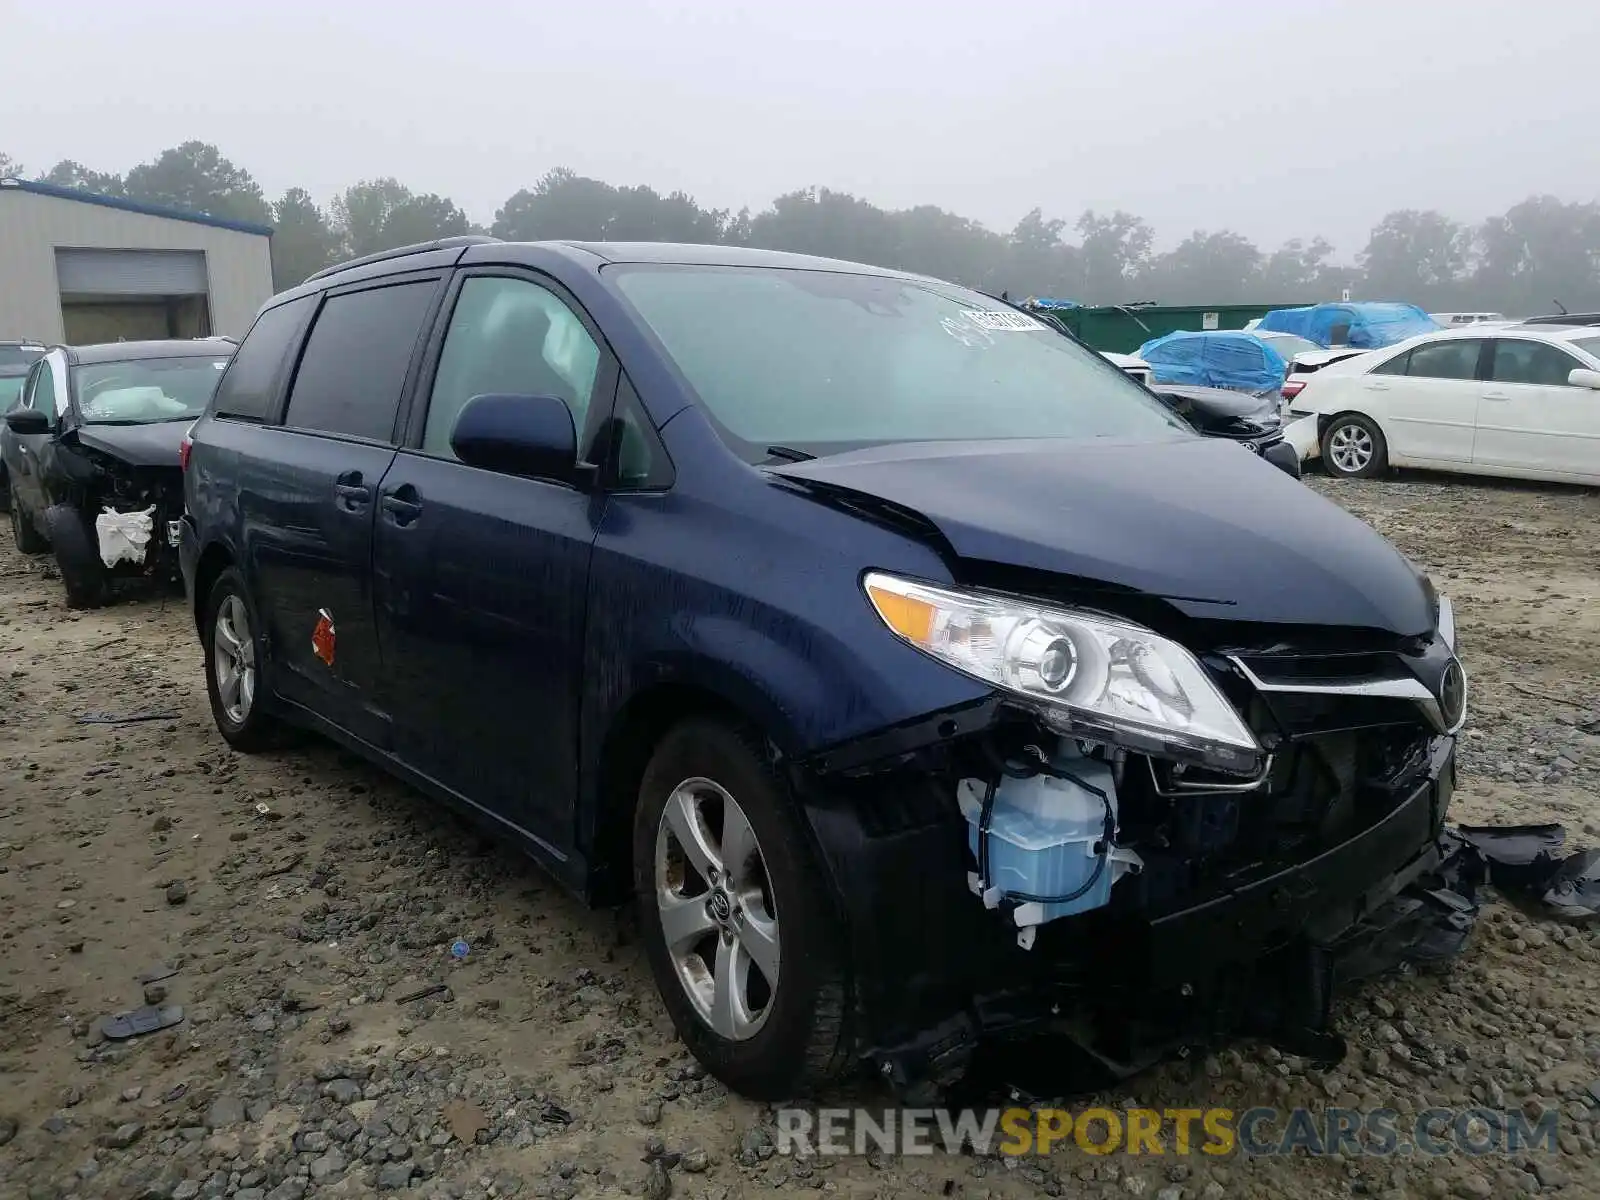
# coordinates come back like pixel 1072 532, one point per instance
pixel 1138 905
pixel 133 509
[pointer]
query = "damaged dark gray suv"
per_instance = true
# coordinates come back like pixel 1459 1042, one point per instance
pixel 926 682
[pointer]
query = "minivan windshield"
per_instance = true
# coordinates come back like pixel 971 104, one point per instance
pixel 143 391
pixel 822 361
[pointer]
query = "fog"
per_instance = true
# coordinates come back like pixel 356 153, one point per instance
pixel 1276 120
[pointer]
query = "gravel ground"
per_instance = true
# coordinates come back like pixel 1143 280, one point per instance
pixel 302 896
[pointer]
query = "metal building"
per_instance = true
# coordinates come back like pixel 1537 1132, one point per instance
pixel 79 267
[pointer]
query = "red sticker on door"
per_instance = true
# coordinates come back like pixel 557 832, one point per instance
pixel 322 637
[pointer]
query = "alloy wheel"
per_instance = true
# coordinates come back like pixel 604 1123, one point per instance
pixel 1350 447
pixel 714 897
pixel 233 658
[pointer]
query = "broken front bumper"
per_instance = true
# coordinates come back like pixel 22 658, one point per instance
pixel 936 975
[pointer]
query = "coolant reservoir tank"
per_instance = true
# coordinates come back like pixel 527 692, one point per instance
pixel 1048 849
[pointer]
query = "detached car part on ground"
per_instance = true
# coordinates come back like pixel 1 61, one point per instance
pixel 927 682
pixel 91 454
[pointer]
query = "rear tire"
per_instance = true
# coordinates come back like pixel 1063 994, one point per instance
pixel 1353 447
pixel 231 636
pixel 77 556
pixel 786 1032
pixel 25 532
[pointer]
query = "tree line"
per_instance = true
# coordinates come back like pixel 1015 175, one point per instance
pixel 1523 261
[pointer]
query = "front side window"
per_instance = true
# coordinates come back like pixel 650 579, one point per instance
pixel 509 336
pixel 355 361
pixel 1531 362
pixel 145 391
pixel 1393 366
pixel 821 362
pixel 45 397
pixel 1454 359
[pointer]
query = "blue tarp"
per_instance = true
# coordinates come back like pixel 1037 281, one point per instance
pixel 1228 359
pixel 1367 325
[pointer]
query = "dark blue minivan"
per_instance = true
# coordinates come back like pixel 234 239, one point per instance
pixel 923 679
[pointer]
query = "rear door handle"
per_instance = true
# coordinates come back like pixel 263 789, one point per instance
pixel 1496 396
pixel 1377 387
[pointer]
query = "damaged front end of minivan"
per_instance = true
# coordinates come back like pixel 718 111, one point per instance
pixel 1159 832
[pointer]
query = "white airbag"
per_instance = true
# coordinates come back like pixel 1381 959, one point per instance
pixel 124 537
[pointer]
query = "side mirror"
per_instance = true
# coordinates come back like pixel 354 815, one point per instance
pixel 27 421
pixel 1584 378
pixel 531 436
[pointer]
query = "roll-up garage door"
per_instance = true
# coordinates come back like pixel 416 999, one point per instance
pixel 131 272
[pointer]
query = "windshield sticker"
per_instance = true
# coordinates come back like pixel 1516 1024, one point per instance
pixel 966 331
pixel 1002 321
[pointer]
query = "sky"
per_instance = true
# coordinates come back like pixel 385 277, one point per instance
pixel 1274 118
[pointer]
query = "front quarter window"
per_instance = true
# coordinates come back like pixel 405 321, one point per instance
pixel 824 361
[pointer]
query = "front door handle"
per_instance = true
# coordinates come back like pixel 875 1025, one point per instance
pixel 1377 387
pixel 402 506
pixel 1500 396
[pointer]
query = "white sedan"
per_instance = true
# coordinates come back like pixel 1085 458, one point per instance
pixel 1515 400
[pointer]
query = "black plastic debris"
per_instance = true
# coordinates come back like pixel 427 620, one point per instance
pixel 101 718
pixel 1526 863
pixel 1573 891
pixel 1516 855
pixel 141 1021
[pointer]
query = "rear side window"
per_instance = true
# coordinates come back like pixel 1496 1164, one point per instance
pixel 1455 359
pixel 1531 362
pixel 356 359
pixel 249 387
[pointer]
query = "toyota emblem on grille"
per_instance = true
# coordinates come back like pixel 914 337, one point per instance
pixel 1452 694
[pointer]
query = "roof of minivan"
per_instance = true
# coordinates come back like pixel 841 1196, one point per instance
pixel 104 352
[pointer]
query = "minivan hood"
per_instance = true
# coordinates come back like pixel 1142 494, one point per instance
pixel 153 445
pixel 1201 522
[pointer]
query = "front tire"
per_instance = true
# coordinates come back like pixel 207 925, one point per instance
pixel 1353 447
pixel 233 649
pixel 23 530
pixel 77 557
pixel 735 919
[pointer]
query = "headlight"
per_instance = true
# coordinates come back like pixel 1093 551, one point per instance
pixel 1088 675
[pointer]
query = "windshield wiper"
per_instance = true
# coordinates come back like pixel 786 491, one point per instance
pixel 789 454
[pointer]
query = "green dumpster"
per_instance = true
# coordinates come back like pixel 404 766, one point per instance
pixel 1123 328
